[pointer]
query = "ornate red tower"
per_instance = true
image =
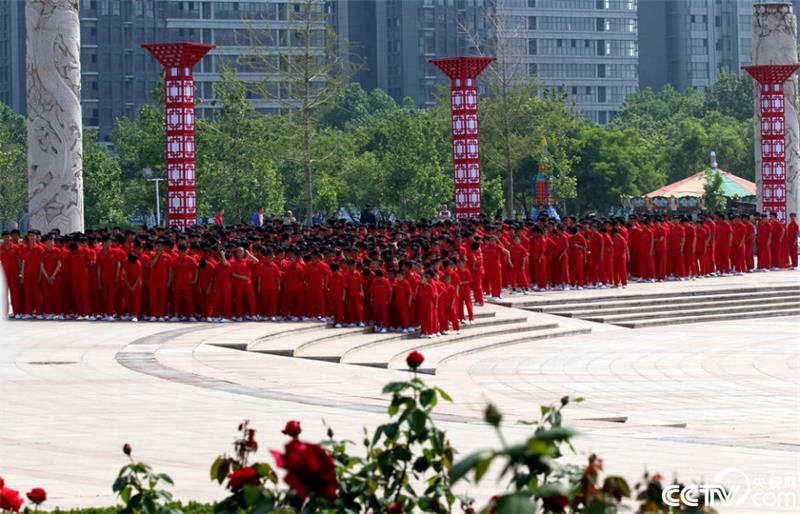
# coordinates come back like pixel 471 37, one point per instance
pixel 773 134
pixel 463 72
pixel 178 60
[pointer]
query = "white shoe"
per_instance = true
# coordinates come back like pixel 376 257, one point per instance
pixel 135 319
pixel 192 319
pixel 338 325
pixel 362 324
pixel 383 331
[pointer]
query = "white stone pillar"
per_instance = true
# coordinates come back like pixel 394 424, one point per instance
pixel 55 132
pixel 775 42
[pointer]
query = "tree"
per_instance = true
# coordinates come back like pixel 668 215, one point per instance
pixel 713 195
pixel 303 73
pixel 13 165
pixel 235 169
pixel 102 185
pixel 731 95
pixel 508 83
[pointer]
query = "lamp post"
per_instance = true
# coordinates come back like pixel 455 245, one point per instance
pixel 148 175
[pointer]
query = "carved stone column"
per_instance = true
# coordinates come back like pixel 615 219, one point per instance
pixel 775 43
pixel 55 132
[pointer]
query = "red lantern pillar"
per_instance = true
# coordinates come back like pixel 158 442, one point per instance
pixel 773 134
pixel 463 73
pixel 178 60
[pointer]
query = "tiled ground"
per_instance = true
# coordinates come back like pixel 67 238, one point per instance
pixel 177 400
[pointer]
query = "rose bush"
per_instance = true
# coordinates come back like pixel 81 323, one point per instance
pixel 405 465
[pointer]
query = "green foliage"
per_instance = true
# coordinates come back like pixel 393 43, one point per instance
pixel 13 170
pixel 139 488
pixel 713 195
pixel 102 186
pixel 186 508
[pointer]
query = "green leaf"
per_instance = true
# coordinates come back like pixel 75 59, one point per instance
pixel 443 394
pixel 465 465
pixel 515 504
pixel 394 387
pixel 482 467
pixel 252 494
pixel 427 397
pixel 554 434
pixel 417 421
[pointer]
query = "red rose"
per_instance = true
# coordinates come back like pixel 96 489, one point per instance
pixel 126 449
pixel 242 477
pixel 2 483
pixel 292 428
pixel 37 495
pixel 10 500
pixel 415 360
pixel 396 508
pixel 555 503
pixel 309 469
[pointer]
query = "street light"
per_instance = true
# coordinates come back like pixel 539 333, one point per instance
pixel 148 175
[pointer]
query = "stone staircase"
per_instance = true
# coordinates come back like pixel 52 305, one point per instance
pixel 659 309
pixel 494 327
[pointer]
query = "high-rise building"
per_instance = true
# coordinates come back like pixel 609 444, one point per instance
pixel 686 42
pixel 118 76
pixel 395 40
pixel 12 54
pixel 587 47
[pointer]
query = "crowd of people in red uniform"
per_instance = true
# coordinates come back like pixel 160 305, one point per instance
pixel 401 276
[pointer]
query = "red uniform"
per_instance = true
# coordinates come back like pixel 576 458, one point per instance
pixel 9 260
pixel 317 274
pixel 426 307
pixel 30 258
pixel 577 257
pixel 132 280
pixel 109 262
pixel 764 234
pixel 723 237
pixel 791 239
pixel 492 264
pixel 52 298
pixel 540 260
pixel 294 283
pixel 620 260
pixel 354 293
pixel 519 266
pixel 79 265
pixel 777 250
pixel 676 240
pixel 184 269
pixel 336 291
pixel 157 285
pixel 380 294
pixel 243 296
pixel 269 281
pixel 401 298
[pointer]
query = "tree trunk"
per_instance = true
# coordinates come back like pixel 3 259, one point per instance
pixel 509 164
pixel 307 163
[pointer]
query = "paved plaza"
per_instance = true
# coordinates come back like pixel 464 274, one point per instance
pixel 687 400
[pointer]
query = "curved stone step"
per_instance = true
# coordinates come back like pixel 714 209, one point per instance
pixel 704 311
pixel 594 296
pixel 379 354
pixel 437 354
pixel 286 342
pixel 588 313
pixel 581 304
pixel 332 350
pixel 714 317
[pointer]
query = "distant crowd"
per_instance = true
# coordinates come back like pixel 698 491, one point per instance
pixel 401 276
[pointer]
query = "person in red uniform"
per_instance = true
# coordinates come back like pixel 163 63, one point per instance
pixel 51 266
pixel 791 238
pixel 594 255
pixel 159 267
pixel 723 239
pixel 493 256
pixel 219 217
pixel 9 260
pixel 317 276
pixel 447 306
pixel 223 297
pixel 738 243
pixel 269 284
pixel 206 276
pixel 540 262
pixel 519 265
pixel 560 260
pixel 426 304
pixel 132 276
pixel 336 292
pixel 465 292
pixel 244 298
pixel 380 294
pixel 109 267
pixel 621 257
pixel 676 239
pixel 354 295
pixel 749 243
pixel 777 249
pixel 577 257
pixel 764 242
pixel 402 295
pixel 476 268
pixel 79 257
pixel 294 275
pixel 662 252
pixel 30 259
pixel 182 279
